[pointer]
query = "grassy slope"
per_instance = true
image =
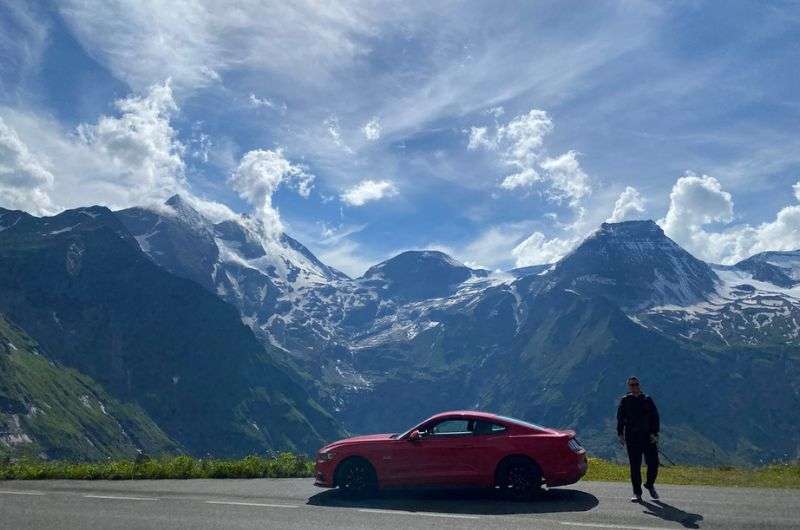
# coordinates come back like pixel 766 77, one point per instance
pixel 47 409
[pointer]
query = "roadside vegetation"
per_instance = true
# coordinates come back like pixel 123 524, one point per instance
pixel 771 476
pixel 283 465
pixel 286 465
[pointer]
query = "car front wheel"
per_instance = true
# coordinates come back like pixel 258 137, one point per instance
pixel 356 479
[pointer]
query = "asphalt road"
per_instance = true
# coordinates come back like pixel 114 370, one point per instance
pixel 296 503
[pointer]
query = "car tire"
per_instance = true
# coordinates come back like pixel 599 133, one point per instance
pixel 520 479
pixel 356 479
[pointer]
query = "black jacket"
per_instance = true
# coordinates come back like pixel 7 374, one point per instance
pixel 637 417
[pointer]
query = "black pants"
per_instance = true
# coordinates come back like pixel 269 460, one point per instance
pixel 636 449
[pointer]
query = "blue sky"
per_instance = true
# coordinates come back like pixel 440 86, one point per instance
pixel 501 133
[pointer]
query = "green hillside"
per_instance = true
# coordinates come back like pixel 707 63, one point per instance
pixel 56 412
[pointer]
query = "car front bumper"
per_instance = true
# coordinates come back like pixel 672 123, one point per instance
pixel 323 473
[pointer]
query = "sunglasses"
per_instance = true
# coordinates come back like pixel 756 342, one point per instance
pixel 633 384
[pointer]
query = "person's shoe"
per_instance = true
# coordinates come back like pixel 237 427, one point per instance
pixel 636 498
pixel 652 491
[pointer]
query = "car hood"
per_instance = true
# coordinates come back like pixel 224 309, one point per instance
pixel 368 438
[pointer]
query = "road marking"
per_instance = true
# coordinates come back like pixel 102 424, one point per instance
pixel 425 514
pixel 22 493
pixel 120 498
pixel 264 505
pixel 620 526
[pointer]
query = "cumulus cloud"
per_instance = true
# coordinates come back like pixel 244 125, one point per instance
pixel 258 175
pixel 630 204
pixel 520 144
pixel 24 181
pixel 129 158
pixel 695 201
pixel 479 137
pixel 698 201
pixel 372 129
pixel 537 249
pixel 140 144
pixel 525 178
pixel 368 190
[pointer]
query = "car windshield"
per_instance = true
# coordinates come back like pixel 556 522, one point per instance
pixel 522 423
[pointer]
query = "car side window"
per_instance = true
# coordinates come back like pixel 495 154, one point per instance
pixel 486 427
pixel 450 427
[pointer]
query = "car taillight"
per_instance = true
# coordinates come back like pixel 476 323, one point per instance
pixel 575 446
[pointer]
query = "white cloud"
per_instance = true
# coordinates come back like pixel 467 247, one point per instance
pixel 142 41
pixel 496 111
pixel 372 129
pixel 491 248
pixel 537 249
pixel 257 102
pixel 368 190
pixel 630 204
pixel 568 181
pixel 24 182
pixel 524 179
pixel 140 144
pixel 130 158
pixel 696 202
pixel 332 126
pixel 525 134
pixel 520 142
pixel 479 137
pixel 258 175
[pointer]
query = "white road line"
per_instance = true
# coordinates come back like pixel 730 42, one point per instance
pixel 37 493
pixel 620 526
pixel 264 505
pixel 425 514
pixel 120 498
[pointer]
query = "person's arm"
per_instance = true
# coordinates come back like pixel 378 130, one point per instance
pixel 655 420
pixel 620 422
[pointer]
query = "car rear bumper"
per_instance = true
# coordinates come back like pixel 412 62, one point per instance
pixel 571 474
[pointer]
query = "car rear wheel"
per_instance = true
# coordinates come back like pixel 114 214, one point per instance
pixel 356 478
pixel 520 480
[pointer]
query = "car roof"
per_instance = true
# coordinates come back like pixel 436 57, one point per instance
pixel 489 417
pixel 470 413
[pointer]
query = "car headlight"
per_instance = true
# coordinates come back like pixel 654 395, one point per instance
pixel 325 456
pixel 574 445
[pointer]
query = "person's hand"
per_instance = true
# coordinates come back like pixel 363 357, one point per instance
pixel 653 438
pixel 622 440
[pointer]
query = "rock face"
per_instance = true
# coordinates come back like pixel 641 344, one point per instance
pixel 634 264
pixel 421 332
pixel 79 284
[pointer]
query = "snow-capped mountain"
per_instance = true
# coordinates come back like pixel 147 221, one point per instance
pixel 267 279
pixel 421 331
pixel 637 266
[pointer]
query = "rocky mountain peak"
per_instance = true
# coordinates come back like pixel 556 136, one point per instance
pixel 419 274
pixel 637 265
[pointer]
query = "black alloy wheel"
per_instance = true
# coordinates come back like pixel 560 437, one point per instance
pixel 356 479
pixel 522 481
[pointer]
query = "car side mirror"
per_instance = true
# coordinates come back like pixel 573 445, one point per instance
pixel 415 436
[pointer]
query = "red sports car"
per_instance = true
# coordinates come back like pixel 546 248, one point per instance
pixel 461 448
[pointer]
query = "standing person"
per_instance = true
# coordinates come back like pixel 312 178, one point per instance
pixel 637 427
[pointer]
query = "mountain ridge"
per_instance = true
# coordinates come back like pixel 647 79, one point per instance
pixel 421 332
